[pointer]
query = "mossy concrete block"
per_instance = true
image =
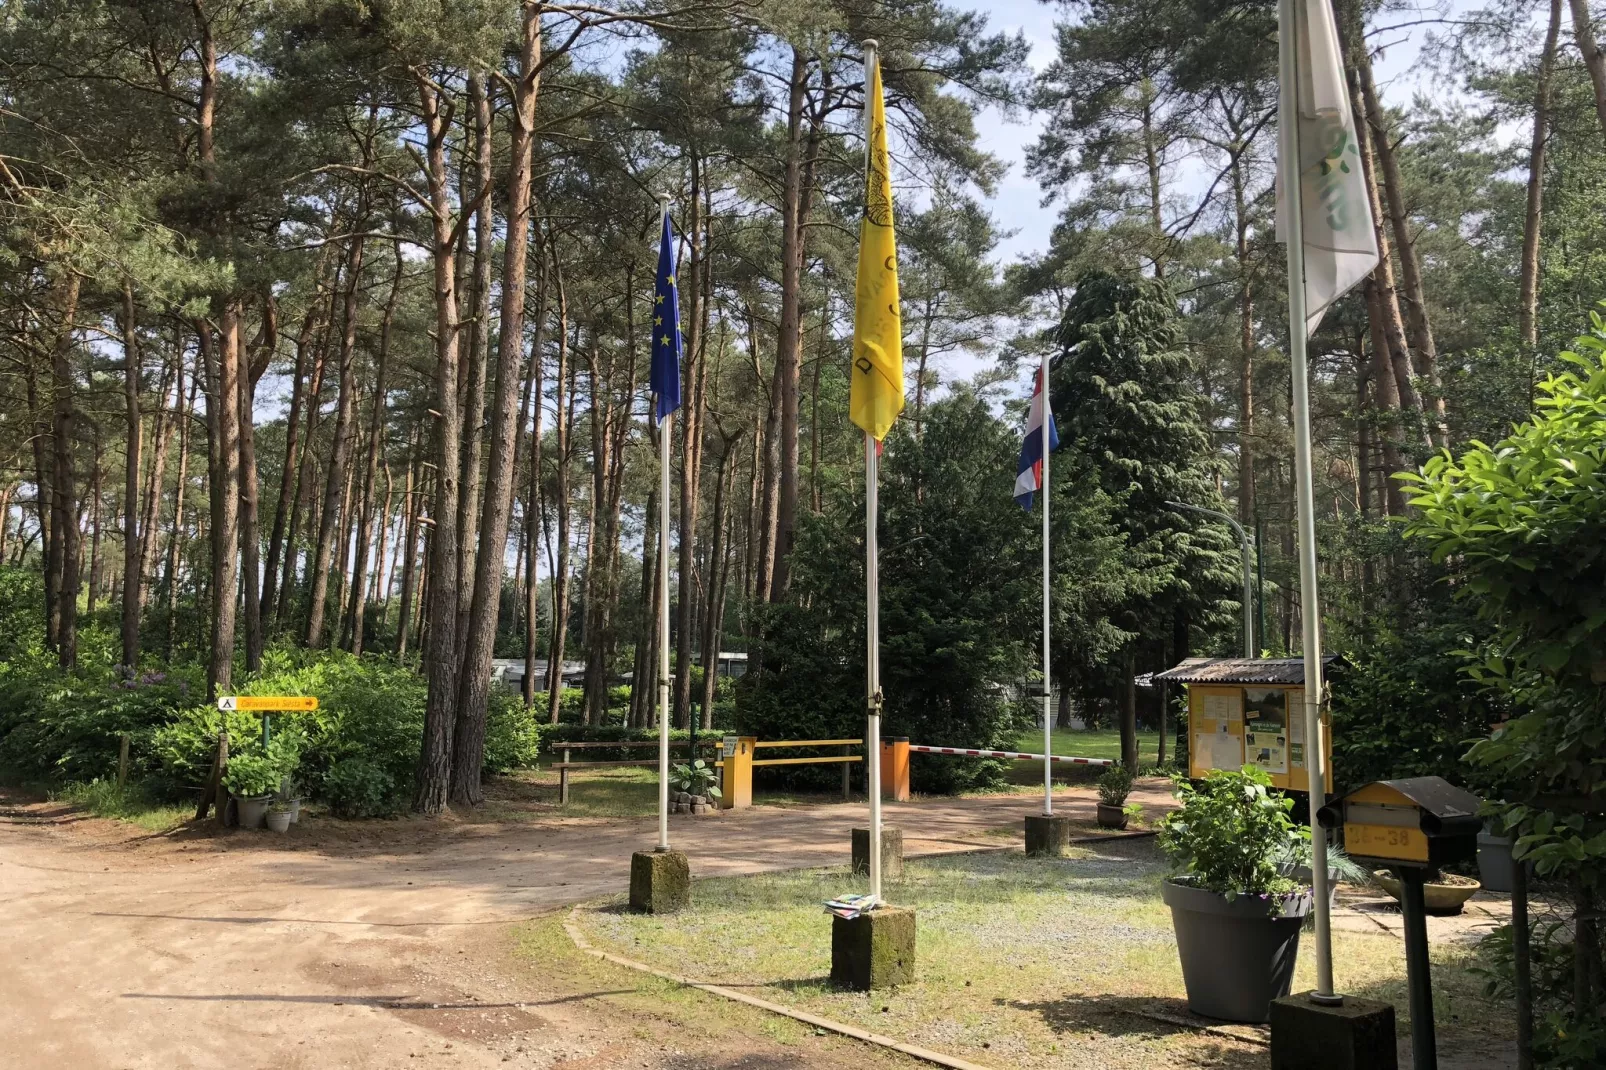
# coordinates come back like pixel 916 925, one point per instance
pixel 874 950
pixel 1357 1034
pixel 1047 835
pixel 891 852
pixel 660 882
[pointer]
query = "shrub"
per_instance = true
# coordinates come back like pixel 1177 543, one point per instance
pixel 251 775
pixel 1231 832
pixel 1115 784
pixel 357 787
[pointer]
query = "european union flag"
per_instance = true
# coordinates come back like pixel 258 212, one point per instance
pixel 666 345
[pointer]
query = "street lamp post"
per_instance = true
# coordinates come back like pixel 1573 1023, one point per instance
pixel 1249 570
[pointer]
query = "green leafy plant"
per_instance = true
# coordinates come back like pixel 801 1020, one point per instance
pixel 252 775
pixel 1115 784
pixel 1230 834
pixel 357 787
pixel 695 778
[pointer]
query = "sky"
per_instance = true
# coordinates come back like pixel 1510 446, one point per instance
pixel 1017 204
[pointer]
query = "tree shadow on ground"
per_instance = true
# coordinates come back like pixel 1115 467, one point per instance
pixel 1217 1044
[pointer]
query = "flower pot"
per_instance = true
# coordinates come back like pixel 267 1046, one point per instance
pixel 1442 898
pixel 1111 817
pixel 295 811
pixel 1495 865
pixel 278 820
pixel 1304 875
pixel 1238 955
pixel 252 809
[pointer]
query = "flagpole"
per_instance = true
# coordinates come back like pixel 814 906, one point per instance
pixel 664 425
pixel 1048 686
pixel 1310 606
pixel 872 585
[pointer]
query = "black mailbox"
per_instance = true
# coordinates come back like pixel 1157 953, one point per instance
pixel 1423 822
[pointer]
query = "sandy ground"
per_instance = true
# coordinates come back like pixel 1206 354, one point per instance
pixel 388 944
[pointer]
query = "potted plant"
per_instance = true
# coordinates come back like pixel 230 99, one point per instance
pixel 696 780
pixel 251 779
pixel 1236 914
pixel 1115 784
pixel 278 816
pixel 290 796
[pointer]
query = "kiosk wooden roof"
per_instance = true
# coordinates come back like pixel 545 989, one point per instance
pixel 1250 672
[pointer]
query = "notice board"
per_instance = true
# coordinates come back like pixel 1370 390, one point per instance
pixel 1232 724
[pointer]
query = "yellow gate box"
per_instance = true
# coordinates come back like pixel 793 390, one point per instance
pixel 1422 822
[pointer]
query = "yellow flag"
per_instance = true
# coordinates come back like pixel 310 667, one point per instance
pixel 877 394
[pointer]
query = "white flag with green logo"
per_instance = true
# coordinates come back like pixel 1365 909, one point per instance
pixel 1340 243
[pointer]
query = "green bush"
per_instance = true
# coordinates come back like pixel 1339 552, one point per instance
pixel 1231 833
pixel 251 775
pixel 356 787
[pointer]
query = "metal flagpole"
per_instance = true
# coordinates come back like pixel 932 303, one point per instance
pixel 1288 165
pixel 1048 686
pixel 664 425
pixel 872 586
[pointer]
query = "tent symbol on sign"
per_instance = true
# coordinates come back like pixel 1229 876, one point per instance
pixel 227 702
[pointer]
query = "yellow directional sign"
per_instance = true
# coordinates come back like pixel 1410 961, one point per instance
pixel 267 702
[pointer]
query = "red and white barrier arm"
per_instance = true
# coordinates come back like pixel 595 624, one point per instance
pixel 1020 756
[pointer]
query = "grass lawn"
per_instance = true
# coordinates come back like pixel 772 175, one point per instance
pixel 1020 962
pixel 104 798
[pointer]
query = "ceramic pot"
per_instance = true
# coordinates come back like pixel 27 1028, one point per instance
pixel 1111 817
pixel 1237 955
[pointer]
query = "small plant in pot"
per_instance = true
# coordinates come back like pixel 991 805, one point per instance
pixel 1115 784
pixel 695 780
pixel 252 779
pixel 1236 913
pixel 278 816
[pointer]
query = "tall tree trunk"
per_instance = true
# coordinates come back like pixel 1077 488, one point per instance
pixel 563 422
pixel 484 615
pixel 225 491
pixel 1400 223
pixel 133 549
pixel 597 575
pixel 1533 217
pixel 250 536
pixel 306 467
pixel 156 479
pixel 479 341
pixel 64 503
pixel 641 668
pixel 39 422
pixel 718 555
pixel 532 504
pixel 291 466
pixel 376 437
pixel 1386 391
pixel 1584 34
pixel 1246 343
pixel 1151 167
pixel 1129 712
pixel 94 524
pixel 411 507
pixel 441 656
pixel 175 541
pixel 788 339
pixel 340 450
pixel 1388 305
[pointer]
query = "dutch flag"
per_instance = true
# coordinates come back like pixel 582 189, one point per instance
pixel 1029 476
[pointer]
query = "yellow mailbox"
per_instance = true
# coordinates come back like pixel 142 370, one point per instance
pixel 1421 823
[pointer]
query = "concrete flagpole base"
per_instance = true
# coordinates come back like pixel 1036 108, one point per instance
pixel 873 950
pixel 891 852
pixel 660 882
pixel 1047 835
pixel 1357 1034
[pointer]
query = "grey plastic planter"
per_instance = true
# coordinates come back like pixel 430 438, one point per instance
pixel 278 820
pixel 252 810
pixel 1236 956
pixel 1495 864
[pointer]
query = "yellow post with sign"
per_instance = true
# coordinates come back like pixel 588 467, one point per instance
pixel 736 760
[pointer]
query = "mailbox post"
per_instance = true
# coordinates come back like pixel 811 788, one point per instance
pixel 1412 827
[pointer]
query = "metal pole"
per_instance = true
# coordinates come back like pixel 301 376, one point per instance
pixel 872 567
pixel 1418 980
pixel 1048 684
pixel 1249 575
pixel 872 735
pixel 1288 165
pixel 664 426
pixel 1521 965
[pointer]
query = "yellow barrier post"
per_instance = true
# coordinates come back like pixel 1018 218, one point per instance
pixel 895 768
pixel 738 764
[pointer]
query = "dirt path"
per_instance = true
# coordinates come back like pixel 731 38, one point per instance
pixel 391 943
